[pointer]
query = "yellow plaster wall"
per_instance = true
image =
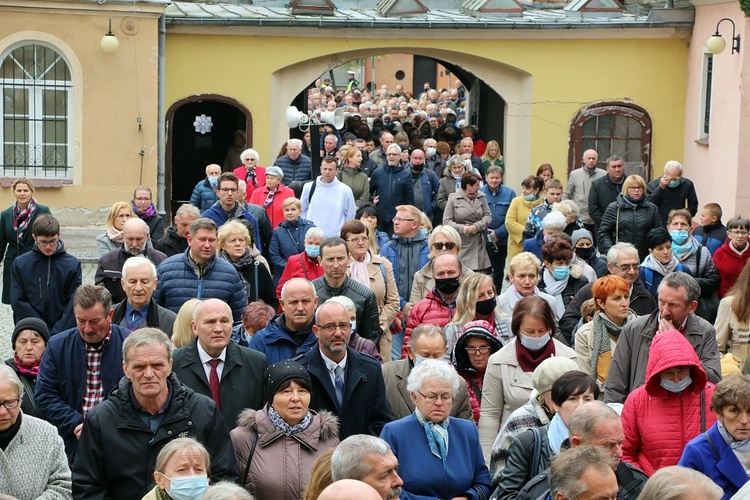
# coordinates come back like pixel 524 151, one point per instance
pixel 109 89
pixel 565 75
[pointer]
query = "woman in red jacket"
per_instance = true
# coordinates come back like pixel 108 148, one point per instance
pixel 661 417
pixel 732 256
pixel 305 264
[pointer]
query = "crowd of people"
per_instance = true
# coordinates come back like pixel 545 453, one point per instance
pixel 402 326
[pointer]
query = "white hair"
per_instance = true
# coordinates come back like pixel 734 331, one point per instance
pixel 673 164
pixel 135 262
pixel 433 369
pixel 251 151
pixel 344 301
pixel 554 219
pixel 569 208
pixel 315 232
pixel 9 375
pixel 294 142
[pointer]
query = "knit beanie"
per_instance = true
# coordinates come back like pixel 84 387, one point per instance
pixel 579 234
pixel 550 370
pixel 279 373
pixel 35 324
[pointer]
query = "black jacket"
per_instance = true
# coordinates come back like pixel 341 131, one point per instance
pixel 518 470
pixel 668 199
pixel 241 384
pixel 365 409
pixel 641 301
pixel 264 226
pixel 109 270
pixel 603 192
pixel 117 451
pixel 256 279
pixel 28 404
pixel 624 222
pixel 368 320
pixel 171 244
pixel 157 317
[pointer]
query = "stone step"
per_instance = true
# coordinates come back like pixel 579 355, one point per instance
pixel 81 242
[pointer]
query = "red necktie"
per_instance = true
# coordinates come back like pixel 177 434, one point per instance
pixel 213 381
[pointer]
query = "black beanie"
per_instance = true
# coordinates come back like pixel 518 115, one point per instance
pixel 281 372
pixel 35 324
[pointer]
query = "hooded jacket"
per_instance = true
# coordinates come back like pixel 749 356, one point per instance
pixel 659 423
pixel 280 465
pixel 358 182
pixel 299 266
pixel 462 363
pixel 275 341
pixel 433 310
pixel 171 244
pixel 393 185
pixel 623 221
pixel 43 287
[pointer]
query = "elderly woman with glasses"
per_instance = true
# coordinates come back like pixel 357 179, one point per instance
pixel 439 456
pixel 31 451
pixel 443 239
pixel 251 172
pixel 732 256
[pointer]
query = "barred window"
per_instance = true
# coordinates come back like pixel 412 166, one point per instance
pixel 35 127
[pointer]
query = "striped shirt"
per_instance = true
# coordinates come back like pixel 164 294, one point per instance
pixel 93 392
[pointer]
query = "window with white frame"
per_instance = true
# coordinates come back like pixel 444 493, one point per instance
pixel 35 127
pixel 704 112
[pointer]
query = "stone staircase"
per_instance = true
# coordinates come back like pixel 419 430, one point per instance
pixel 81 242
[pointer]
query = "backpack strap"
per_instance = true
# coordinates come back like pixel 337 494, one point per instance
pixel 713 448
pixel 302 263
pixel 536 453
pixel 250 458
pixel 703 411
pixel 648 277
pixel 360 344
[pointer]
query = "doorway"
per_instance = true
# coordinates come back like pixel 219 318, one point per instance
pixel 189 151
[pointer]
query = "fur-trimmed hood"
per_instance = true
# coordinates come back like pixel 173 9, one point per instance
pixel 326 423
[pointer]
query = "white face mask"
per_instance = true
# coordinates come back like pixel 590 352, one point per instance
pixel 534 343
pixel 354 325
pixel 431 152
pixel 676 387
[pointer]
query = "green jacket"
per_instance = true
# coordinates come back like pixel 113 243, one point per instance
pixel 358 181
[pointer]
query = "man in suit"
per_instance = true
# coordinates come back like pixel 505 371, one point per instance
pixel 345 382
pixel 211 365
pixel 427 342
pixel 139 309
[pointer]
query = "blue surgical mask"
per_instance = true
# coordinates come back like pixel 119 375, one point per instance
pixel 431 152
pixel 187 487
pixel 424 232
pixel 312 251
pixel 213 181
pixel 530 197
pixel 674 184
pixel 418 360
pixel 679 237
pixel 676 387
pixel 561 272
pixel 533 343
pixel 354 325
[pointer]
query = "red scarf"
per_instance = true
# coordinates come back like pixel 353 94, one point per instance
pixel 32 370
pixel 529 360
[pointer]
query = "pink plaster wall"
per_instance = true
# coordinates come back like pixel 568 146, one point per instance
pixel 719 169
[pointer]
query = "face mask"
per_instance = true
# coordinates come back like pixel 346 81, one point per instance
pixel 354 325
pixel 187 487
pixel 431 152
pixel 213 181
pixel 534 344
pixel 530 197
pixel 424 232
pixel 446 286
pixel 418 360
pixel 485 307
pixel 585 253
pixel 417 168
pixel 679 237
pixel 561 272
pixel 676 387
pixel 457 176
pixel 312 251
pixel 674 184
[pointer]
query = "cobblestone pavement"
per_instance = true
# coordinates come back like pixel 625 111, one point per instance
pixel 6 315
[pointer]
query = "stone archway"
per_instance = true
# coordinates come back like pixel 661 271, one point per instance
pixel 513 84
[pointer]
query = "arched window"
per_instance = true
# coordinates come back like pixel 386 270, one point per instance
pixel 612 128
pixel 35 128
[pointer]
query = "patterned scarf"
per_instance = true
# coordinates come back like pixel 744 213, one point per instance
pixel 287 429
pixel 22 218
pixel 269 198
pixel 604 328
pixel 147 214
pixel 251 176
pixel 437 436
pixel 32 370
pixel 358 270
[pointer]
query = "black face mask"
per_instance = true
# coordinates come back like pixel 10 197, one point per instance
pixel 446 286
pixel 485 307
pixel 585 253
pixel 417 168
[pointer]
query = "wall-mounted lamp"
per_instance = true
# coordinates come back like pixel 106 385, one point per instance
pixel 109 42
pixel 716 43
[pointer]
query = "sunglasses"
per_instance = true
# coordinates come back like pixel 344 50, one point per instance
pixel 448 246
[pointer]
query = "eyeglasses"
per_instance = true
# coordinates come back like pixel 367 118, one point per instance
pixel 331 327
pixel 397 220
pixel 448 246
pixel 481 350
pixel 250 159
pixel 392 154
pixel 10 404
pixel 143 199
pixel 228 190
pixel 51 243
pixel 445 398
pixel 359 239
pixel 738 232
pixel 628 267
pixel 635 188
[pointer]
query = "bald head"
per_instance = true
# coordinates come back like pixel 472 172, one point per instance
pixel 135 235
pixel 346 489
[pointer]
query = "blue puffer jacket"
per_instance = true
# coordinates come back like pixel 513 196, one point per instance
pixel 499 201
pixel 178 282
pixel 277 344
pixel 294 170
pixel 286 240
pixel 393 186
pixel 203 195
pixel 216 214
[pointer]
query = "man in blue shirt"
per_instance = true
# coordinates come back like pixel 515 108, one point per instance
pixel 498 198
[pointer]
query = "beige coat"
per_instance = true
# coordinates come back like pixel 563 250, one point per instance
pixel 424 280
pixel 730 330
pixel 386 292
pixel 515 222
pixel 461 212
pixel 506 388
